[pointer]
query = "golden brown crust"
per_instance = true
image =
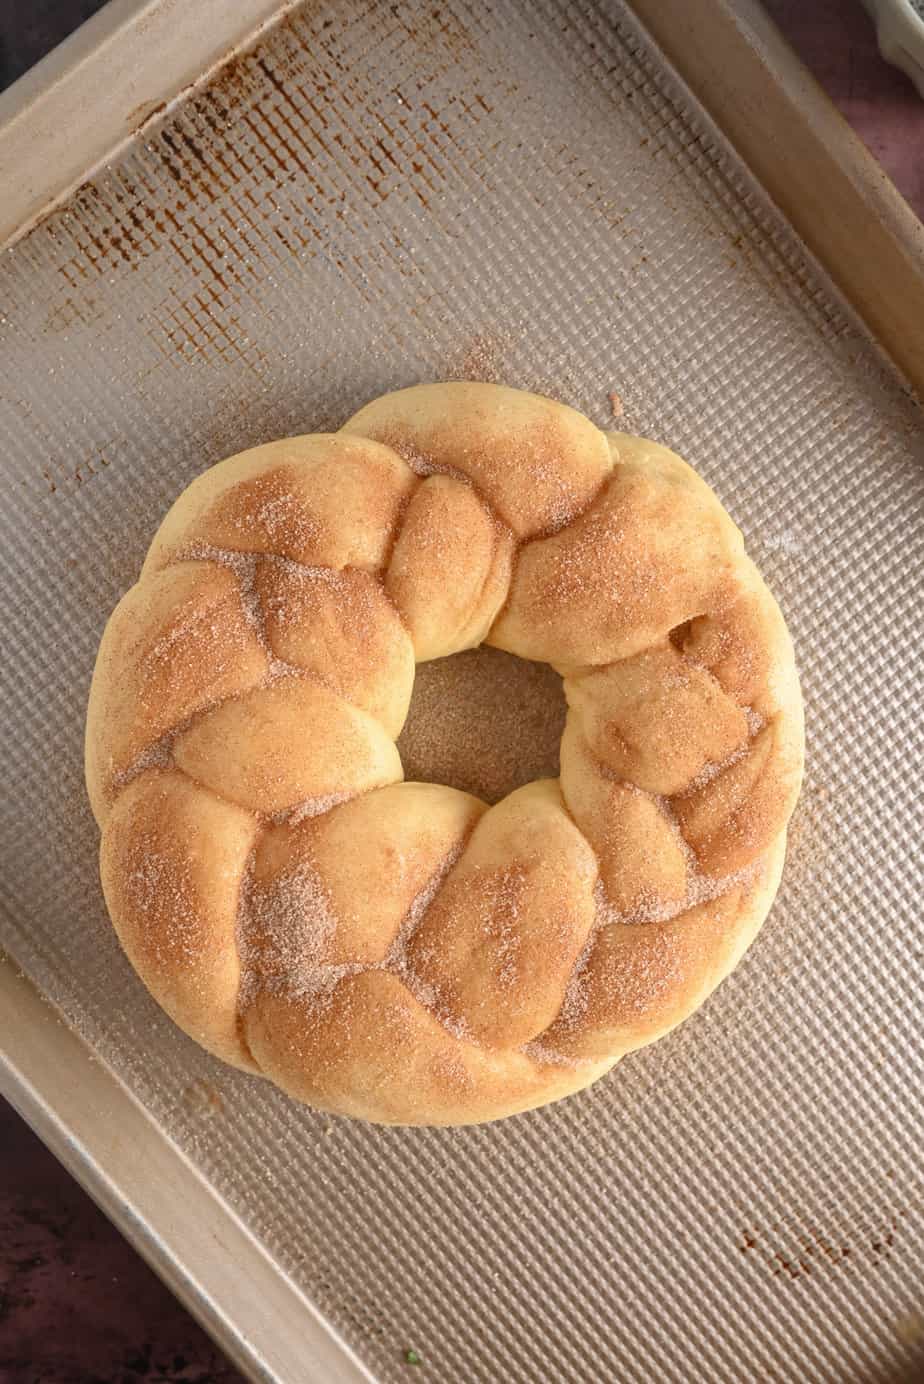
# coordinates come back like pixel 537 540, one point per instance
pixel 735 817
pixel 641 979
pixel 639 853
pixel 340 627
pixel 176 643
pixel 644 557
pixel 370 1049
pixel 656 720
pixel 496 947
pixel 397 951
pixel 287 746
pixel 172 864
pixel 325 500
pixel 537 463
pixel 359 869
pixel 450 570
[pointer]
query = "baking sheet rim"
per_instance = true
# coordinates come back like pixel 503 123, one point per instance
pixel 728 52
pixel 73 1101
pixel 100 86
pixel 801 150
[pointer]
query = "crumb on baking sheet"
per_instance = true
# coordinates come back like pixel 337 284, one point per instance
pixel 616 409
pixel 202 1098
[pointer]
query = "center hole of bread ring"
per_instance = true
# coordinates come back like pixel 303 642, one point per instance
pixel 483 721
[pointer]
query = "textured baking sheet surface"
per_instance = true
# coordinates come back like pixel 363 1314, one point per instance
pixel 385 194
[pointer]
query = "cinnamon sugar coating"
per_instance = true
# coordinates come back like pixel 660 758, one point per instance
pixel 401 951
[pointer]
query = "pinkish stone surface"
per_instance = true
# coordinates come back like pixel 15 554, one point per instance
pixel 77 1304
pixel 836 41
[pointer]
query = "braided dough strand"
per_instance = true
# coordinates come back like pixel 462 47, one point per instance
pixel 397 951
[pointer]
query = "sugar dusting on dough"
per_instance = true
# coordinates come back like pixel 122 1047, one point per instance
pixel 541 461
pixel 546 1056
pixel 310 807
pixel 155 756
pixel 423 464
pixel 710 771
pixel 243 565
pixel 268 507
pixel 397 959
pixel 648 978
pixel 159 887
pixel 287 926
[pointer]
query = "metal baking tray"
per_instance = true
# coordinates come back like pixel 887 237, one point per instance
pixel 219 236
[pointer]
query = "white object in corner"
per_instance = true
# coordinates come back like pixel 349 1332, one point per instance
pixel 900 31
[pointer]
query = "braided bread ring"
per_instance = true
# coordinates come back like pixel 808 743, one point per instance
pixel 400 952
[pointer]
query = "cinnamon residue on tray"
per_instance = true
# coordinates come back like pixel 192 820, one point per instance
pixel 483 721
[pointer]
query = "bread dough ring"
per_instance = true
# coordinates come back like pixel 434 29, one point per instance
pixel 397 951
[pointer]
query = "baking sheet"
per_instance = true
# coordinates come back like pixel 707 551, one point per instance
pixel 384 194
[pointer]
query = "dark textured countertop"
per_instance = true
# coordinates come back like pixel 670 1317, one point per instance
pixel 77 1305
